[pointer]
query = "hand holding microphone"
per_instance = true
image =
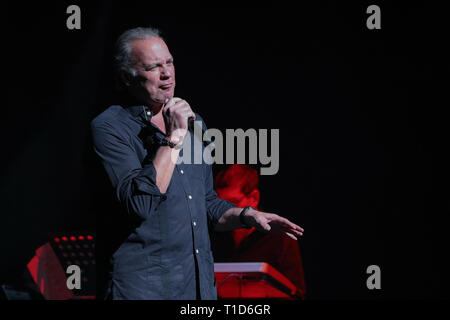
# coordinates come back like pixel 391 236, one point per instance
pixel 177 114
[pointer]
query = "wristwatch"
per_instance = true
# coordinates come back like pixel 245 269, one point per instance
pixel 242 214
pixel 166 142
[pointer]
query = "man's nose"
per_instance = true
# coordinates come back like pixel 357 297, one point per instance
pixel 166 73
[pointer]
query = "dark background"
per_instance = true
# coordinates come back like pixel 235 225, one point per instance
pixel 360 113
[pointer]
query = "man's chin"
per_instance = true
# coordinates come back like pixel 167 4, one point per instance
pixel 161 98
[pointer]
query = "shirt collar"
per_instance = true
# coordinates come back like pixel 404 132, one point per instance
pixel 144 115
pixel 140 111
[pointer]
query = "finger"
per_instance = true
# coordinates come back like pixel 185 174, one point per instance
pixel 282 222
pixel 294 231
pixel 290 235
pixel 180 102
pixel 184 109
pixel 167 104
pixel 189 114
pixel 290 224
pixel 179 111
pixel 294 226
pixel 178 106
pixel 265 226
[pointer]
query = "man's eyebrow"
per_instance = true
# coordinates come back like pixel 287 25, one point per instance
pixel 150 65
pixel 154 64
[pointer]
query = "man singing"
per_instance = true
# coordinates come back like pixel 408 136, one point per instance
pixel 168 207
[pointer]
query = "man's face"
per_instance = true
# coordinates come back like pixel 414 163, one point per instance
pixel 155 79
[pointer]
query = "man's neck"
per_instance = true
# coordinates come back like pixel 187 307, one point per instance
pixel 156 109
pixel 158 120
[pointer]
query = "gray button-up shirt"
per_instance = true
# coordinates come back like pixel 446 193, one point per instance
pixel 169 246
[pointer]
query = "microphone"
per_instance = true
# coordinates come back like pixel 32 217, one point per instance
pixel 191 124
pixel 190 121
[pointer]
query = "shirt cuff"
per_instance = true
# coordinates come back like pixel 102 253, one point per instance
pixel 146 181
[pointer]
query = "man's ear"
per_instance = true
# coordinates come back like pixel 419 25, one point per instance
pixel 253 198
pixel 126 78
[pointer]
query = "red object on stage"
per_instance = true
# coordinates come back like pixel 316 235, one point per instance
pixel 252 280
pixel 48 267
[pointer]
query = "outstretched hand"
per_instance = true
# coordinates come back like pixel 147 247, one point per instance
pixel 270 222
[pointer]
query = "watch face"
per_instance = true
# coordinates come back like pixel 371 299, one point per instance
pixel 178 146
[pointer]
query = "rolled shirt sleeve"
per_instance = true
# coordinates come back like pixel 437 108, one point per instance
pixel 215 207
pixel 134 184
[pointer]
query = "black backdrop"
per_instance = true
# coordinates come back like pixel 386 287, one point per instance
pixel 359 112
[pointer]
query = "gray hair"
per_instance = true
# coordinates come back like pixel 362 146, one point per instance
pixel 122 51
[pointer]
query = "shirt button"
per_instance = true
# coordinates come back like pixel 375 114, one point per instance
pixel 149 113
pixel 190 197
pixel 196 251
pixel 194 223
pixel 182 172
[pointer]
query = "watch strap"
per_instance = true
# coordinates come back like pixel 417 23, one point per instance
pixel 166 142
pixel 242 214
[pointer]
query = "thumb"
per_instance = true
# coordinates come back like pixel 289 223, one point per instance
pixel 167 103
pixel 265 226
